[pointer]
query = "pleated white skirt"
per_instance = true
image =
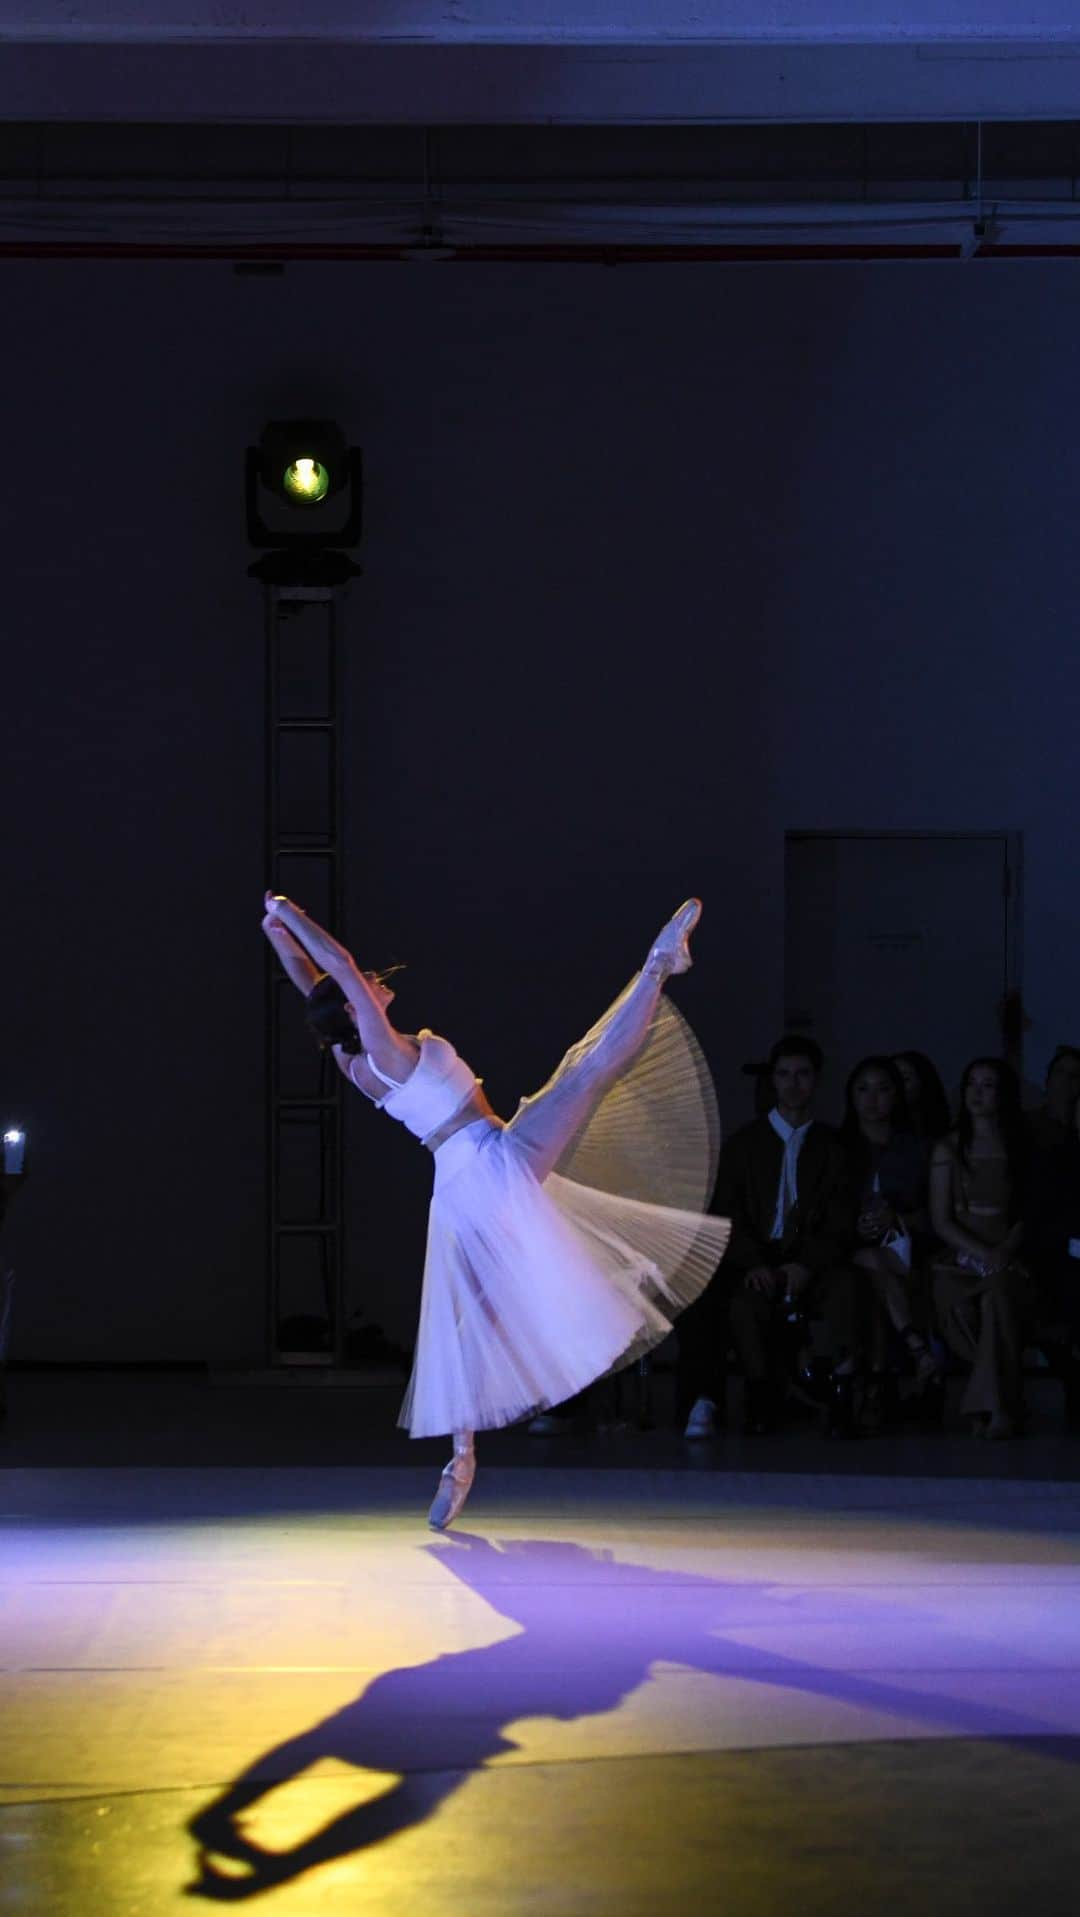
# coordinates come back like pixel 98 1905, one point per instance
pixel 534 1288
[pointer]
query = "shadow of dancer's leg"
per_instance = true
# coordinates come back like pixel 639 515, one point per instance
pixel 404 1805
pixel 957 1716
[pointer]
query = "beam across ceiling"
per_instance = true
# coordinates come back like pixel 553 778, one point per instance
pixel 538 61
pixel 543 22
pixel 943 190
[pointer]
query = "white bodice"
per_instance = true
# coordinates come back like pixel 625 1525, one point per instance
pixel 439 1083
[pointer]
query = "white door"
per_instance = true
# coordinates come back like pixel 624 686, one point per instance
pixel 897 944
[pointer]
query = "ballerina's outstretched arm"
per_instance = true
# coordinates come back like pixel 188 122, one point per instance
pixel 299 969
pixel 305 975
pixel 367 998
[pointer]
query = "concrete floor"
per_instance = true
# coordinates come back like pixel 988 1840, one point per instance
pixel 617 1691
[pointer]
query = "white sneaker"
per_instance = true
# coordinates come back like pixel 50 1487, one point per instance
pixel 702 1420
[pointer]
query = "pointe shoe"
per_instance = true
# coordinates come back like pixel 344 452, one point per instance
pixel 671 952
pixel 455 1484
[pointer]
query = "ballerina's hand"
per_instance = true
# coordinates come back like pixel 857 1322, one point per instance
pixel 279 934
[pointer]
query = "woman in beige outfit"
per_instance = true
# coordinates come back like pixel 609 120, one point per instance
pixel 983 1295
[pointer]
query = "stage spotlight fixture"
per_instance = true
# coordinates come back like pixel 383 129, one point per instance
pixel 306 481
pixel 304 487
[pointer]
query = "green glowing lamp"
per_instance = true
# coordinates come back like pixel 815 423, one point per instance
pixel 305 481
pixel 303 489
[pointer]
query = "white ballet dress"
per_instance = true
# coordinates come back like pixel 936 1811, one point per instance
pixel 535 1286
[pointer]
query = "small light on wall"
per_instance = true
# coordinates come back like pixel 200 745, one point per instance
pixel 14 1152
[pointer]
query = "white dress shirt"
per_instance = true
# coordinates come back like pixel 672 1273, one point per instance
pixel 792 1136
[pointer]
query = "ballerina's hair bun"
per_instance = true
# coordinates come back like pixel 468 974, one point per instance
pixel 327 1020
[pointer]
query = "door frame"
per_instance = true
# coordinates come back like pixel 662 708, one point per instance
pixel 1013 896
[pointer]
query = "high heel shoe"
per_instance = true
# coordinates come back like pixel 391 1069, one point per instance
pixel 455 1483
pixel 671 950
pixel 840 1408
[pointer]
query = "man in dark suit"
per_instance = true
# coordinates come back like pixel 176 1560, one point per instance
pixel 783 1183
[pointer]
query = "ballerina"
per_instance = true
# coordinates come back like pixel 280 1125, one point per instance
pixel 561 1243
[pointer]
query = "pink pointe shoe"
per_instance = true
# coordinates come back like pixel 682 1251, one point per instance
pixel 671 952
pixel 455 1484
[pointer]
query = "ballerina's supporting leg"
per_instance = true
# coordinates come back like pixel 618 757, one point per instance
pixel 455 1482
pixel 368 999
pixel 546 1123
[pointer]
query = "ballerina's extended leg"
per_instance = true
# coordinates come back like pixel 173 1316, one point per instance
pixel 545 1123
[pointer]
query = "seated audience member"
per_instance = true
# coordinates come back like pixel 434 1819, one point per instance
pixel 1051 1124
pixel 782 1182
pixel 887 1170
pixel 9 1184
pixel 985 1297
pixel 1052 1244
pixel 924 1095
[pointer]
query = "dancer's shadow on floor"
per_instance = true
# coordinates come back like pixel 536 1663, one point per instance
pixel 592 1628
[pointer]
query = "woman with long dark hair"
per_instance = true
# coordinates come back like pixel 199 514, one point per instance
pixel 887 1167
pixel 983 1293
pixel 924 1095
pixel 561 1244
pixel 1052 1243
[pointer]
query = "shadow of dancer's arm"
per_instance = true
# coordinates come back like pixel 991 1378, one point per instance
pixel 965 1717
pixel 377 1730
